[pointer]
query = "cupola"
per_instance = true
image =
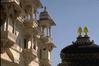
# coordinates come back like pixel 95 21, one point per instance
pixel 46 22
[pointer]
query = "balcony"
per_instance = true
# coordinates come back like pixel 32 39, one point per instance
pixel 48 42
pixel 15 1
pixel 45 39
pixel 7 40
pixel 6 35
pixel 46 62
pixel 20 19
pixel 12 7
pixel 37 3
pixel 33 3
pixel 29 54
pixel 30 23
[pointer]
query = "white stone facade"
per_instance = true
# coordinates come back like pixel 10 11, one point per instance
pixel 21 36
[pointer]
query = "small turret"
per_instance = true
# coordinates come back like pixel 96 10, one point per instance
pixel 46 22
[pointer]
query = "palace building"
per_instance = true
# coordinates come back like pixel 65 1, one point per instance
pixel 82 52
pixel 26 40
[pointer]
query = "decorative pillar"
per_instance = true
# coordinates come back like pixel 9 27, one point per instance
pixel 49 31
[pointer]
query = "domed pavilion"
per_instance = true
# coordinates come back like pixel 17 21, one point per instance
pixel 82 52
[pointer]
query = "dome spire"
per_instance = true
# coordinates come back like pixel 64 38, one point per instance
pixel 85 30
pixel 79 31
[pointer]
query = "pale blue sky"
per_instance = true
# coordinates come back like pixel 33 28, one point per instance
pixel 68 16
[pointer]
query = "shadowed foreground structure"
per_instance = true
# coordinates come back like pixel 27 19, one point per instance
pixel 82 52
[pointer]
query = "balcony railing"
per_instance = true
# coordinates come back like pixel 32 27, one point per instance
pixel 30 54
pixel 21 19
pixel 45 39
pixel 33 3
pixel 30 23
pixel 16 1
pixel 34 52
pixel 8 36
pixel 12 4
pixel 46 61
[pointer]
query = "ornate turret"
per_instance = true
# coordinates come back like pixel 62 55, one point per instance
pixel 45 23
pixel 82 52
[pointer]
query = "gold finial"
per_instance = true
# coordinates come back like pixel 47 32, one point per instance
pixel 85 30
pixel 79 30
